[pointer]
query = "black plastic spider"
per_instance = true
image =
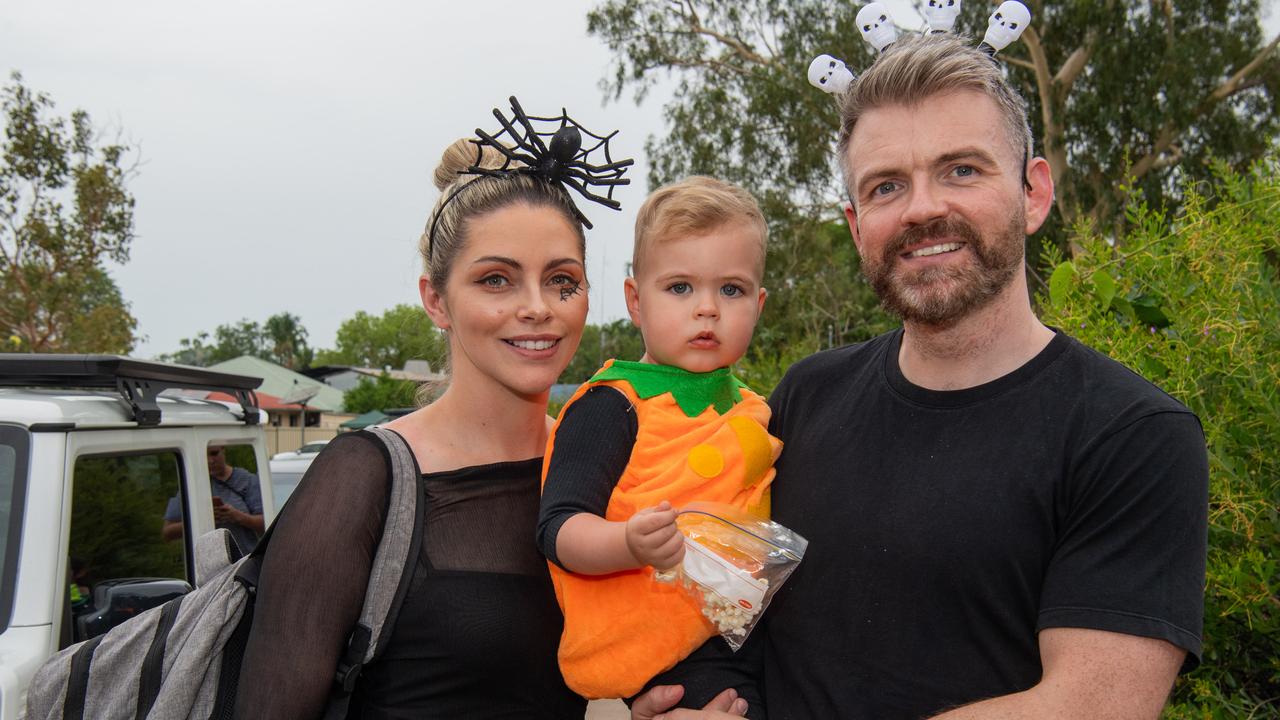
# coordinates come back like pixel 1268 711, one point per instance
pixel 561 159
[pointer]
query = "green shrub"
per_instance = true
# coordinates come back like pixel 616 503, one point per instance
pixel 1193 304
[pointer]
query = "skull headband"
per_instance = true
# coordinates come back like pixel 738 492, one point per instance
pixel 553 154
pixel 1005 25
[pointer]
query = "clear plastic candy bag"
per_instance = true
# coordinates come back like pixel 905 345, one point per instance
pixel 733 564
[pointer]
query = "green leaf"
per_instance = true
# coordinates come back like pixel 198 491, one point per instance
pixel 1153 369
pixel 1148 311
pixel 1124 307
pixel 1104 288
pixel 1060 282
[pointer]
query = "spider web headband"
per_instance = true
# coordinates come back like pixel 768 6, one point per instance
pixel 551 149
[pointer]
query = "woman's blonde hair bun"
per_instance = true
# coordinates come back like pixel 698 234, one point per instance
pixel 460 156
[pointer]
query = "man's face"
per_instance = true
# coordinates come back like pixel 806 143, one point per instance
pixel 217 461
pixel 940 214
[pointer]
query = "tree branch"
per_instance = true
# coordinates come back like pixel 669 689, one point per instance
pixel 1019 62
pixel 737 45
pixel 1074 65
pixel 1230 86
pixel 1054 148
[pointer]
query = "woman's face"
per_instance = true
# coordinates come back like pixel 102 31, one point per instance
pixel 515 301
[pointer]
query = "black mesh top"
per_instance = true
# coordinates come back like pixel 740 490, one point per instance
pixel 478 632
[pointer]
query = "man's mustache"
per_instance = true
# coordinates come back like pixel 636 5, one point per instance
pixel 942 228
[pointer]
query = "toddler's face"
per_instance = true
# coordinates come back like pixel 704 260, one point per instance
pixel 697 298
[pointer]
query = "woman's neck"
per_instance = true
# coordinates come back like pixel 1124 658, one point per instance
pixel 476 423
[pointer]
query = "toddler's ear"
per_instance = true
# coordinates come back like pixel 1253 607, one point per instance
pixel 632 292
pixel 760 308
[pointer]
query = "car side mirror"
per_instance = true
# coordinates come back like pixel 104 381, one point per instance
pixel 115 601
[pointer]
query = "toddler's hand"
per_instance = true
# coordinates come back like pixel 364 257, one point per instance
pixel 654 539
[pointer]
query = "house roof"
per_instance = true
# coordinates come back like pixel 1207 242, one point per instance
pixel 266 401
pixel 281 381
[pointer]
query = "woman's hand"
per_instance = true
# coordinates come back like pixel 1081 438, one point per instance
pixel 651 705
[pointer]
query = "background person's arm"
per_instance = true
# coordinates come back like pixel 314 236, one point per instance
pixel 1090 675
pixel 172 530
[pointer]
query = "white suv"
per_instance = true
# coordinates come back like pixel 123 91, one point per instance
pixel 90 457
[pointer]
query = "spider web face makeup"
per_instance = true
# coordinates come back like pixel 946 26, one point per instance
pixel 551 149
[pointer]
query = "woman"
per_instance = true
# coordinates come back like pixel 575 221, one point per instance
pixel 477 634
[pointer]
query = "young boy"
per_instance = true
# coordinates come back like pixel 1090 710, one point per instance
pixel 644 438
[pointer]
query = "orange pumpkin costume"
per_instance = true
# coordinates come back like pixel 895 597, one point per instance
pixel 700 436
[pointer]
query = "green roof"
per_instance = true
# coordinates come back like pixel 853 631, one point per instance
pixel 281 381
pixel 360 422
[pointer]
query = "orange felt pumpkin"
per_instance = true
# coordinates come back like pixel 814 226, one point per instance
pixel 622 629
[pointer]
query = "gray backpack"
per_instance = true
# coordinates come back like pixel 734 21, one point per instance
pixel 181 660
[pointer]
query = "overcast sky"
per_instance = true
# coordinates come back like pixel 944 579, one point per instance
pixel 287 147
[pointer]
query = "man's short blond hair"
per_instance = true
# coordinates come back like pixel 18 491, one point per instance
pixel 918 67
pixel 695 205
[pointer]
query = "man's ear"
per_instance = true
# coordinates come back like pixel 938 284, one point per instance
pixel 433 302
pixel 1038 199
pixel 632 293
pixel 851 215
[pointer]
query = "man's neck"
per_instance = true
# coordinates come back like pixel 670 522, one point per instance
pixel 987 344
pixel 225 476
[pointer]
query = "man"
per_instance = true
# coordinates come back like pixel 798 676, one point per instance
pixel 237 502
pixel 1002 522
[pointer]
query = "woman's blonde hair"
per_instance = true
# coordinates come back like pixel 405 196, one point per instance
pixel 465 197
pixel 694 205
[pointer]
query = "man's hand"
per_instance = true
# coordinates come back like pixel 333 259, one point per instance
pixel 224 514
pixel 651 705
pixel 654 539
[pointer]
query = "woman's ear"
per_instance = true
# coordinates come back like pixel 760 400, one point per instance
pixel 433 302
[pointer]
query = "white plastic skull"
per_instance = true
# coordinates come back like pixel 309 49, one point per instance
pixel 876 26
pixel 941 14
pixel 829 74
pixel 1006 24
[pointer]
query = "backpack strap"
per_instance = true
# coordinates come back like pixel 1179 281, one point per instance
pixel 392 570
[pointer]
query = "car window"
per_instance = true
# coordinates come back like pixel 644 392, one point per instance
pixel 236 490
pixel 119 505
pixel 14 444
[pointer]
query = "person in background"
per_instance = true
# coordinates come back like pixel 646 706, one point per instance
pixel 237 502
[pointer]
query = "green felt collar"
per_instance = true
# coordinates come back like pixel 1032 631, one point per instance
pixel 693 392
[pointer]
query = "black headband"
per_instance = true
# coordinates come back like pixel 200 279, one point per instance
pixel 554 155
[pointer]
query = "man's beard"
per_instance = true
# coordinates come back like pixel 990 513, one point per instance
pixel 941 296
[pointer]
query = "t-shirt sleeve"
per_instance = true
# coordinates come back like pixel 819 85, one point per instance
pixel 173 511
pixel 1131 552
pixel 592 448
pixel 715 667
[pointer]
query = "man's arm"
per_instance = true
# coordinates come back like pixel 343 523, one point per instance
pixel 172 530
pixel 226 515
pixel 1091 674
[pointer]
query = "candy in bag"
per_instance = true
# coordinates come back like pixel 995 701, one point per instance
pixel 733 564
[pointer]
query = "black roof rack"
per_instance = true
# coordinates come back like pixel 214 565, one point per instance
pixel 137 381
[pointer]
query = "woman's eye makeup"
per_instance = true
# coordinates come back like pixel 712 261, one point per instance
pixel 494 281
pixel 568 288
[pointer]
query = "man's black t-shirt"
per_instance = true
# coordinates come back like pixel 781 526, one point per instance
pixel 946 528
